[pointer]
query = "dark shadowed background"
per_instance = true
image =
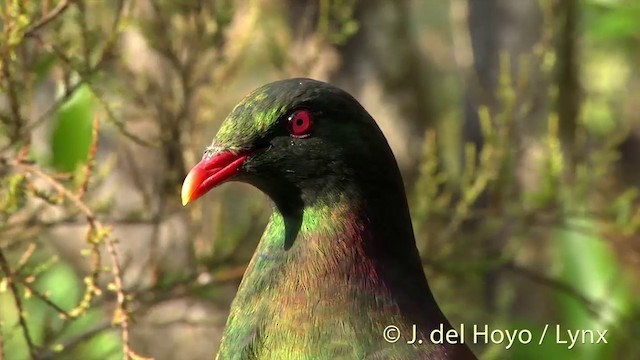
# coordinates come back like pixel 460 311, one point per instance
pixel 516 124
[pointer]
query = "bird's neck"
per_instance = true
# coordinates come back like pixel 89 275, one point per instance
pixel 344 265
pixel 341 249
pixel 337 232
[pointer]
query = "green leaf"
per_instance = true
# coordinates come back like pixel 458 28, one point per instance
pixel 102 346
pixel 62 285
pixel 616 21
pixel 551 349
pixel 71 136
pixel 590 266
pixel 61 282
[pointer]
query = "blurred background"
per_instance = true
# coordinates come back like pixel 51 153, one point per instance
pixel 516 124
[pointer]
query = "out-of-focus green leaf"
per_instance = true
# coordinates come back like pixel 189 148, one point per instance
pixel 589 265
pixel 14 342
pixel 65 290
pixel 617 21
pixel 71 136
pixel 532 350
pixel 102 346
pixel 63 287
pixel 61 283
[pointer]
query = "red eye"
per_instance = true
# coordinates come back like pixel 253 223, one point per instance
pixel 300 123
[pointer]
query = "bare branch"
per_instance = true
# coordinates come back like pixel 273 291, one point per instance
pixel 62 6
pixel 4 266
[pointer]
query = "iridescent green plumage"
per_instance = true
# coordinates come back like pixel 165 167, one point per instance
pixel 337 262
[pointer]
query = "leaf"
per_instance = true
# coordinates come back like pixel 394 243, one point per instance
pixel 590 266
pixel 40 318
pixel 616 21
pixel 63 285
pixel 549 347
pixel 71 136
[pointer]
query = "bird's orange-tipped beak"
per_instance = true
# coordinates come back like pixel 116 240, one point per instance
pixel 209 173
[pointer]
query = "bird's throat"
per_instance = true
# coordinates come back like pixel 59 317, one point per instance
pixel 328 232
pixel 336 243
pixel 329 268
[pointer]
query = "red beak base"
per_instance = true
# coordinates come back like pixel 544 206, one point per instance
pixel 209 173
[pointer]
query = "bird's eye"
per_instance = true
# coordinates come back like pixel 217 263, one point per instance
pixel 300 123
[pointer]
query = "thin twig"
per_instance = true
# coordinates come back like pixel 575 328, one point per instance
pixel 4 266
pixel 68 194
pixel 71 343
pixel 13 99
pixel 121 316
pixel 590 305
pixel 25 257
pixel 49 17
pixel 88 168
pixel 43 297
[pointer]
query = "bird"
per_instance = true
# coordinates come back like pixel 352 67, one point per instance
pixel 336 273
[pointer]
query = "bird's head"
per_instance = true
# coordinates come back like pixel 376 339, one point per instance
pixel 296 140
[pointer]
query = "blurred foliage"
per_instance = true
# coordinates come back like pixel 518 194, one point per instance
pixel 105 104
pixel 614 22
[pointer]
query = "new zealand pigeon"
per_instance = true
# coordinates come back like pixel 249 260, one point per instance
pixel 337 274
